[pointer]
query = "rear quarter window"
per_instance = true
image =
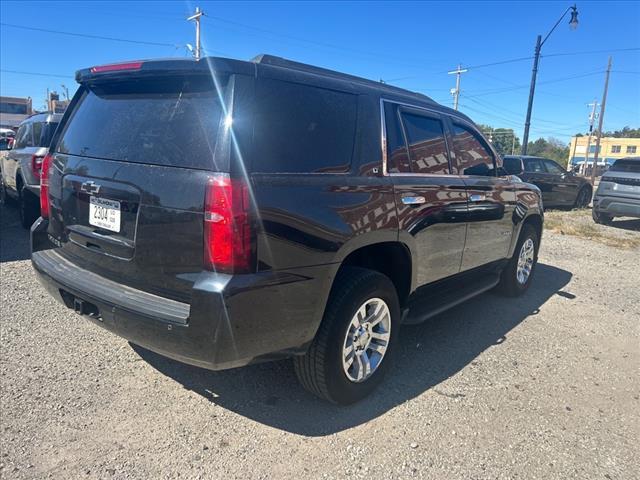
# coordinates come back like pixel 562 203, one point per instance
pixel 302 129
pixel 172 121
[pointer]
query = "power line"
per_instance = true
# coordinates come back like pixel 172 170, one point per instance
pixel 85 35
pixel 40 74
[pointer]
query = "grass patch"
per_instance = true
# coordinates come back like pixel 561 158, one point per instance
pixel 580 224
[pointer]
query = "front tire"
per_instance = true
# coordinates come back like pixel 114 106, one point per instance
pixel 516 276
pixel 351 351
pixel 583 199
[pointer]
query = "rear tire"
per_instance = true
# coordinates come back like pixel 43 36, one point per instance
pixel 601 218
pixel 516 276
pixel 330 367
pixel 583 199
pixel 29 208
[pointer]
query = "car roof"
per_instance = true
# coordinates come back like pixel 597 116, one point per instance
pixel 626 159
pixel 46 117
pixel 264 64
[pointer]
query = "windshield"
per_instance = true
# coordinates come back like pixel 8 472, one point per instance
pixel 162 121
pixel 630 166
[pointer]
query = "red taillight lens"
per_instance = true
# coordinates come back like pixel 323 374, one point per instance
pixel 36 165
pixel 227 229
pixel 44 185
pixel 117 67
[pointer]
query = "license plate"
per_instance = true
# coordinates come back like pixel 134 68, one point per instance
pixel 104 213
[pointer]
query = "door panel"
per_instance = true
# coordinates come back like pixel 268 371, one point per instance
pixel 563 187
pixel 491 199
pixel 436 227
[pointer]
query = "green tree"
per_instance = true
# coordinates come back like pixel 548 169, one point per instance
pixel 550 148
pixel 502 139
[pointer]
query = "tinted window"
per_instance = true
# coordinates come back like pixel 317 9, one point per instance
pixel 472 157
pixel 512 166
pixel 14 108
pixel 397 155
pixel 553 167
pixel 533 165
pixel 164 121
pixel 36 132
pixel 427 146
pixel 48 129
pixel 299 128
pixel 631 166
pixel 631 149
pixel 23 138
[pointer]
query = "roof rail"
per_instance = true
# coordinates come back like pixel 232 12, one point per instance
pixel 265 59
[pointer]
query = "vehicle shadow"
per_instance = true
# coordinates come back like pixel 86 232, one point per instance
pixel 427 355
pixel 14 240
pixel 628 224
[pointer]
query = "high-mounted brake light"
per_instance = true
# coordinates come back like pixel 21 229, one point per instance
pixel 44 185
pixel 117 67
pixel 36 165
pixel 227 228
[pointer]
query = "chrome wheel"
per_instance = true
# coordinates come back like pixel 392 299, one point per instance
pixel 525 261
pixel 366 340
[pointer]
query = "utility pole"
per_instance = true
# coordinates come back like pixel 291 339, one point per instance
pixel 601 121
pixel 456 91
pixel 196 17
pixel 592 119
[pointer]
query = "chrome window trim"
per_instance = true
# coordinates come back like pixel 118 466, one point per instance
pixel 383 141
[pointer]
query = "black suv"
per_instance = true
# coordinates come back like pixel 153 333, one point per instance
pixel 559 187
pixel 223 212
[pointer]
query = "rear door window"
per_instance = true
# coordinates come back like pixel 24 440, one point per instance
pixel 164 121
pixel 472 155
pixel 24 138
pixel 36 130
pixel 553 167
pixel 302 129
pixel 427 145
pixel 533 165
pixel 48 129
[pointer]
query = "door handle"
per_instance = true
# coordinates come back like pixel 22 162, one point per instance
pixel 413 200
pixel 477 197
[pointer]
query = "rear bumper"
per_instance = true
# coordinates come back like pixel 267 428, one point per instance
pixel 231 321
pixel 617 206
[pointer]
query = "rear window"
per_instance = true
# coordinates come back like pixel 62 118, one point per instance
pixel 171 121
pixel 630 166
pixel 299 128
pixel 48 129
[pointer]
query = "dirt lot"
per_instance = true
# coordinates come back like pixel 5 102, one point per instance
pixel 545 386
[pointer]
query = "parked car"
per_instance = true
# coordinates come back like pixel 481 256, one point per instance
pixel 6 138
pixel 559 187
pixel 222 213
pixel 618 194
pixel 20 167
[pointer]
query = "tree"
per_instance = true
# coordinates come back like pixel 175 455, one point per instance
pixel 502 139
pixel 550 148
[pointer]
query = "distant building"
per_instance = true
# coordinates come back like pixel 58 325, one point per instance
pixel 13 110
pixel 611 148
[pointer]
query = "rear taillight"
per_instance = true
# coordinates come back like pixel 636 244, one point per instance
pixel 117 67
pixel 47 162
pixel 36 165
pixel 227 228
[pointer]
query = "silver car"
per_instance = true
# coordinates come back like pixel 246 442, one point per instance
pixel 618 194
pixel 20 167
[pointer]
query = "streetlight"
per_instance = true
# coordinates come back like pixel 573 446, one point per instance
pixel 573 24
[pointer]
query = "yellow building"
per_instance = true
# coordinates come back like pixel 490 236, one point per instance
pixel 611 148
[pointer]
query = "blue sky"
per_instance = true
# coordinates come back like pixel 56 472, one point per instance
pixel 409 44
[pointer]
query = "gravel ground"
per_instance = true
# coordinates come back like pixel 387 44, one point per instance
pixel 544 386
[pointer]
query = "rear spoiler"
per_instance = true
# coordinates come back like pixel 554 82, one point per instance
pixel 174 66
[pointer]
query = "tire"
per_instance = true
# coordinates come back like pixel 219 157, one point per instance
pixel 29 208
pixel 601 218
pixel 321 370
pixel 583 199
pixel 511 283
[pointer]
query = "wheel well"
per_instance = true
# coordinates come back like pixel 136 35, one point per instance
pixel 536 222
pixel 389 258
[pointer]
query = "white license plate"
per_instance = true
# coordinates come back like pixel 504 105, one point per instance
pixel 104 213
